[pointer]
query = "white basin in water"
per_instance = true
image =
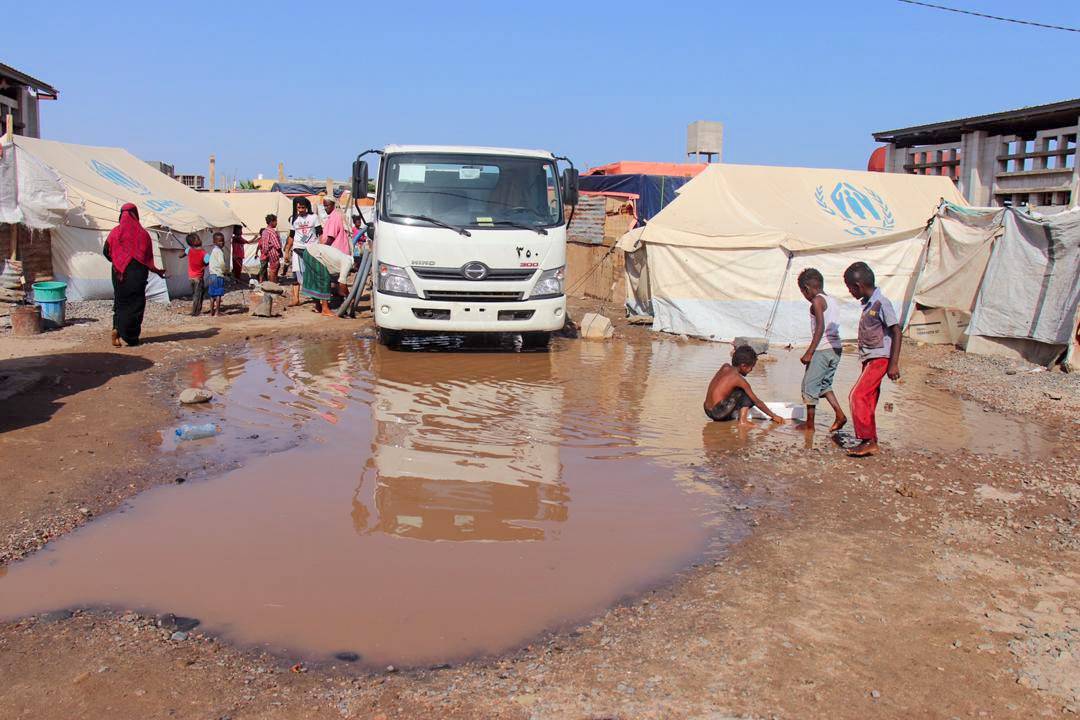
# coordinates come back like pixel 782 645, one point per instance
pixel 786 410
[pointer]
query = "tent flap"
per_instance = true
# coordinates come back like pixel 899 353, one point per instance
pixel 1044 254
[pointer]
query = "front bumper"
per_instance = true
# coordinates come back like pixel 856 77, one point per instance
pixel 402 313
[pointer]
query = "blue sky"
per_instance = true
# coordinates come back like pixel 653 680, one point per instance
pixel 311 84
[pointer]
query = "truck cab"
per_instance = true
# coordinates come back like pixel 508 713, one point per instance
pixel 469 240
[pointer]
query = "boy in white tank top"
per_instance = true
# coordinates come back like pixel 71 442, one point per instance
pixel 822 357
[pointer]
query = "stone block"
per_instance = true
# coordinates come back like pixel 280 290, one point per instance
pixel 596 327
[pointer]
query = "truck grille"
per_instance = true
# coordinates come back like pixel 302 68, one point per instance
pixel 504 274
pixel 472 296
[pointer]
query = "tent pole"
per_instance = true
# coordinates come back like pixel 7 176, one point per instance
pixel 779 292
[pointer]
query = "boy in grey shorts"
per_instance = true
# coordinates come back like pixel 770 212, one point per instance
pixel 822 357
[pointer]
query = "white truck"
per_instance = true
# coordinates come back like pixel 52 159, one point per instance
pixel 468 240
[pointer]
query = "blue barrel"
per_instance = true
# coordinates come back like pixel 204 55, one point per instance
pixel 51 297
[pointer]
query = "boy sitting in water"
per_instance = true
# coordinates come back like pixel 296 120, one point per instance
pixel 729 394
pixel 822 357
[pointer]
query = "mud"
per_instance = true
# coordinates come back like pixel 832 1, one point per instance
pixel 438 506
pixel 433 509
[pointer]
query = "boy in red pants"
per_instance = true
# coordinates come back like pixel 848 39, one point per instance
pixel 879 352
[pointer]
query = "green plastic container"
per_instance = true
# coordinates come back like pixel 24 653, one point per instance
pixel 49 291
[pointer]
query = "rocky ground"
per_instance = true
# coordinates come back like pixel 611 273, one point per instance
pixel 1009 386
pixel 912 584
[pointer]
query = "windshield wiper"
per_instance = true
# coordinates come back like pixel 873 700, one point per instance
pixel 440 223
pixel 520 226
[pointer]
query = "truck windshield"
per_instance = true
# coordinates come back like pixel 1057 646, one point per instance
pixel 474 191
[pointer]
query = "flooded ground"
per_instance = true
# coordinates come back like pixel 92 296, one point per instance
pixel 437 505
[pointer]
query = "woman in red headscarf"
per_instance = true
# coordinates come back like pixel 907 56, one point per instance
pixel 128 247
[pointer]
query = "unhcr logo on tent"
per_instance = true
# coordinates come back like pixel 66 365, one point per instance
pixel 118 176
pixel 863 210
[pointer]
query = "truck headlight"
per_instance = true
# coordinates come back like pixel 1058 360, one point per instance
pixel 394 280
pixel 550 284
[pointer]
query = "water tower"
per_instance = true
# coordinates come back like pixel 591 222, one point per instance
pixel 705 137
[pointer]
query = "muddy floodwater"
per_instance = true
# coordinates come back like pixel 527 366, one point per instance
pixel 422 507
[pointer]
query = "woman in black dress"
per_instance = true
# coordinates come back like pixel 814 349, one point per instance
pixel 128 247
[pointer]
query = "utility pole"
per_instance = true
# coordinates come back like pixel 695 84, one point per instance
pixel 213 162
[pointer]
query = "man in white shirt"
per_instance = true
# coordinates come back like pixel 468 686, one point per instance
pixel 305 231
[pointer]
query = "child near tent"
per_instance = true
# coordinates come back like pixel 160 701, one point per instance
pixel 196 261
pixel 879 352
pixel 822 356
pixel 238 243
pixel 269 250
pixel 219 268
pixel 730 395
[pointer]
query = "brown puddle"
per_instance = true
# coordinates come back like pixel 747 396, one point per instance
pixel 443 505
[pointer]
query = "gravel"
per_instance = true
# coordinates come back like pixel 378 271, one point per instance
pixel 1006 385
pixel 89 318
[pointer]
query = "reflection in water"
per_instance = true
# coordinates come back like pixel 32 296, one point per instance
pixel 521 468
pixel 580 476
pixel 426 509
pixel 465 455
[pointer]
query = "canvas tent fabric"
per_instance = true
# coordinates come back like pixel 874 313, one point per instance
pixel 724 256
pixel 961 239
pixel 31 194
pixel 1044 251
pixel 1016 272
pixel 652 193
pixel 96 182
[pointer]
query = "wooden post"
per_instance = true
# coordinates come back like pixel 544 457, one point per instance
pixel 14 242
pixel 9 122
pixel 281 172
pixel 213 183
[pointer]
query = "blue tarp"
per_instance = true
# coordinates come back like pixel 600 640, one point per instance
pixel 655 192
pixel 289 188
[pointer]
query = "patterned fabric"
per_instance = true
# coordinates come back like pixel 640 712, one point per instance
pixel 316 282
pixel 270 246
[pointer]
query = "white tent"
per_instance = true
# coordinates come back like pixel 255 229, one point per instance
pixel 722 259
pixel 1016 272
pixel 252 207
pixel 96 182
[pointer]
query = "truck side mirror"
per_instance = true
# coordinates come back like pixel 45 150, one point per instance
pixel 570 186
pixel 359 179
pixel 370 231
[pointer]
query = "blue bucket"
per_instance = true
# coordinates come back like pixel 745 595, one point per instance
pixel 53 313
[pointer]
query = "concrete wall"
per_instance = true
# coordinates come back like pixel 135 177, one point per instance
pixel 1042 170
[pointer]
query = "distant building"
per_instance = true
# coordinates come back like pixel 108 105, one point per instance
pixel 705 137
pixel 1017 157
pixel 162 167
pixel 19 98
pixel 195 182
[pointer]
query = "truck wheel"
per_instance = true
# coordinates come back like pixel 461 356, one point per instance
pixel 390 338
pixel 536 340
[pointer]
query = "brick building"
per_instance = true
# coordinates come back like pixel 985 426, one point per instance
pixel 1017 157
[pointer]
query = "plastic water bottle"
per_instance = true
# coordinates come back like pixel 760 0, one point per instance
pixel 196 432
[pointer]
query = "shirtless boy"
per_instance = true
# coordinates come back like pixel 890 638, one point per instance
pixel 729 394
